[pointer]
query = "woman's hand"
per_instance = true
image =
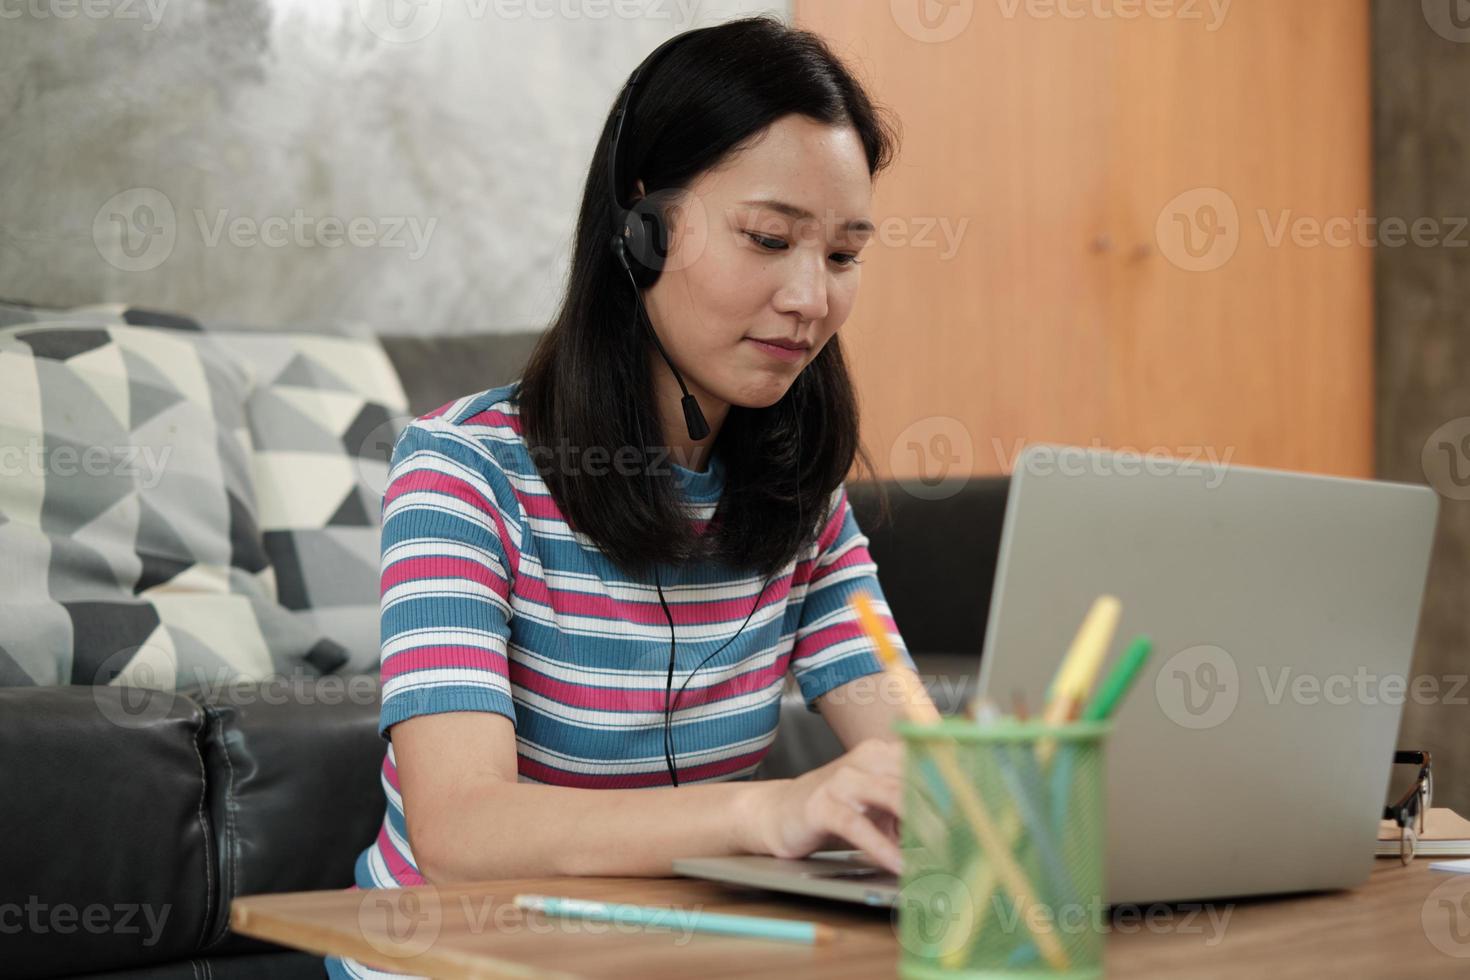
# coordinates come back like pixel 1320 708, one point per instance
pixel 857 797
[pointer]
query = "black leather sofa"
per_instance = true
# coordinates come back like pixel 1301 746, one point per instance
pixel 132 818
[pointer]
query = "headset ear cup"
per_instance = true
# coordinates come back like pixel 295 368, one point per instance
pixel 647 238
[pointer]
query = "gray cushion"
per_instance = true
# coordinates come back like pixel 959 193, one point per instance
pixel 437 370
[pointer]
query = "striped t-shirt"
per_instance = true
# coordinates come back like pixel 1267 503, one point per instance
pixel 491 602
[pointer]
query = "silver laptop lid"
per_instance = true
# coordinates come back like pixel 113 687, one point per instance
pixel 1253 754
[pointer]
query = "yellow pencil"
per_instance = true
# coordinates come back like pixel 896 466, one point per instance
pixel 921 711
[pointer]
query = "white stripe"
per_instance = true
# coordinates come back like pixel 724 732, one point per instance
pixel 653 677
pixel 431 588
pixel 645 764
pixel 622 721
pixel 438 676
pixel 452 636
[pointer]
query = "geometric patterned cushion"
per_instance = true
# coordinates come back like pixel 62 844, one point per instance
pixel 128 515
pixel 323 411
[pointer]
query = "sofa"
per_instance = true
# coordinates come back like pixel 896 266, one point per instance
pixel 135 816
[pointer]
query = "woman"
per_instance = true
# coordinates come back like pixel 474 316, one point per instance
pixel 584 643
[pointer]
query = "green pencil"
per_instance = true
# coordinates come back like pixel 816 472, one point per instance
pixel 1119 680
pixel 687 920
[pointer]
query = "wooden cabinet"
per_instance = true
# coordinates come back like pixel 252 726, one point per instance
pixel 1119 223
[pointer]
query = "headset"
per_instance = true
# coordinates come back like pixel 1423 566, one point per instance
pixel 640 242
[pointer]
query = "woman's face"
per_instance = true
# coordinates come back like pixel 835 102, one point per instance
pixel 764 248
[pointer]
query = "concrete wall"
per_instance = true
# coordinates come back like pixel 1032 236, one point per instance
pixel 1422 173
pixel 202 155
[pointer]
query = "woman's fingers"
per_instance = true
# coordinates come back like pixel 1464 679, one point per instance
pixel 867 807
pixel 859 831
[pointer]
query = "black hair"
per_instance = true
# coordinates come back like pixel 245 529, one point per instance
pixel 588 382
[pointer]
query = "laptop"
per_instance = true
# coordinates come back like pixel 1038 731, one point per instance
pixel 1253 755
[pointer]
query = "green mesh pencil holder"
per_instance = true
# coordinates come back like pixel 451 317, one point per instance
pixel 1003 837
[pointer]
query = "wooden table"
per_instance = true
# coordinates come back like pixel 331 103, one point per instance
pixel 1404 922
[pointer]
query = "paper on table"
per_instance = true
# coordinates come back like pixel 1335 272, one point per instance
pixel 1445 833
pixel 1458 867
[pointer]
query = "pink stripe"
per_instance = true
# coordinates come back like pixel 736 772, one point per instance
pixel 709 612
pixel 402 872
pixel 829 534
pixel 814 643
pixel 446 655
pixel 854 556
pixel 598 698
pixel 443 566
pixel 493 416
pixel 436 482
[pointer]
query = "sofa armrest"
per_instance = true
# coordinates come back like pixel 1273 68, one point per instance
pixel 107 859
pixel 294 768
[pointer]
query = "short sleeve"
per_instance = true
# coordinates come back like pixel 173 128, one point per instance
pixel 832 647
pixel 450 548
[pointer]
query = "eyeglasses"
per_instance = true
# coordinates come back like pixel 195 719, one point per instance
pixel 1410 810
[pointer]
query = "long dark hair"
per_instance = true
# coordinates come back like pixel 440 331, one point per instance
pixel 588 383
